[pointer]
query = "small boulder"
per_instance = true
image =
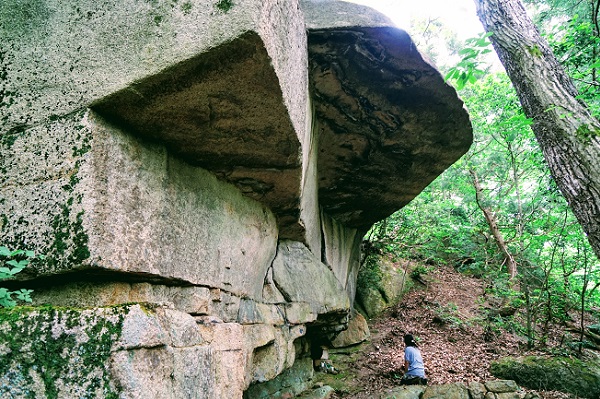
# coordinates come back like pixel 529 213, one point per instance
pixel 404 392
pixel 477 390
pixel 446 391
pixel 357 332
pixel 501 386
pixel 323 392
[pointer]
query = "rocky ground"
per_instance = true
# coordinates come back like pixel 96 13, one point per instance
pixel 444 313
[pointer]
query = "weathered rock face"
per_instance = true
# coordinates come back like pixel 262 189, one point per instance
pixel 501 389
pixel 569 375
pixel 357 332
pixel 388 284
pixel 226 114
pixel 182 156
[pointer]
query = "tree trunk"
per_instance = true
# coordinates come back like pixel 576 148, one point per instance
pixel 490 217
pixel 567 133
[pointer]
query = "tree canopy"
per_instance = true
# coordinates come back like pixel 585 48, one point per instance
pixel 504 201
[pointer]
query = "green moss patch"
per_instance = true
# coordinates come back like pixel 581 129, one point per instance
pixel 563 374
pixel 51 352
pixel 224 5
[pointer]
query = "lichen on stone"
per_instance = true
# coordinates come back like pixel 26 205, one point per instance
pixel 45 155
pixel 50 352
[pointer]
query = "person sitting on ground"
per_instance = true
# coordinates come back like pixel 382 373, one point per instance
pixel 414 370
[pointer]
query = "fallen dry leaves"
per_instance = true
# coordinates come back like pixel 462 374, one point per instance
pixel 441 314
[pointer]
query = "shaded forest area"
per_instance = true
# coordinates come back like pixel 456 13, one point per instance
pixel 498 214
pixel 451 315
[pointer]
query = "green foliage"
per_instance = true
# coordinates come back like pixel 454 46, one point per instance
pixel 535 51
pixel 426 33
pixel 445 225
pixel 584 132
pixel 369 274
pixel 419 271
pixel 469 69
pixel 11 263
pixel 576 44
pixel 448 315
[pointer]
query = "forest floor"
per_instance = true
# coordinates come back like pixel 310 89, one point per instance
pixel 442 313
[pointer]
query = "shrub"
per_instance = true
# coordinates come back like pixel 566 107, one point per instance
pixel 419 271
pixel 11 263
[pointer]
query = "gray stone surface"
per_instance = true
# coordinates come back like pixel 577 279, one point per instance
pixel 390 287
pixel 129 351
pixel 178 221
pixel 508 395
pixel 40 195
pixel 477 390
pixel 357 332
pixel 330 14
pixel 501 386
pixel 323 392
pixel 193 300
pixel 565 374
pixel 291 382
pixel 342 252
pixel 404 392
pixel 252 312
pixel 175 154
pixel 127 206
pixel 62 56
pixel 226 114
pixel 474 390
pixel 446 391
pixel 301 277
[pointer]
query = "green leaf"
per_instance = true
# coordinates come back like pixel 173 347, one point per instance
pixel 5 298
pixel 19 264
pixel 467 50
pixel 24 295
pixel 4 251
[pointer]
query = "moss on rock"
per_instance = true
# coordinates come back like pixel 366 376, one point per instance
pixel 49 352
pixel 41 197
pixel 563 374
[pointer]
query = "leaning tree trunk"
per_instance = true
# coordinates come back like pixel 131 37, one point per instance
pixel 566 131
pixel 492 221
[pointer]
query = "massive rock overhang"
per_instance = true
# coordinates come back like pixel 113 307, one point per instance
pixel 387 122
pixel 222 110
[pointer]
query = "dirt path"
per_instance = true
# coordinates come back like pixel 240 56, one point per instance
pixel 441 314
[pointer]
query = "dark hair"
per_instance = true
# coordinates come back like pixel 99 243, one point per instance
pixel 409 340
